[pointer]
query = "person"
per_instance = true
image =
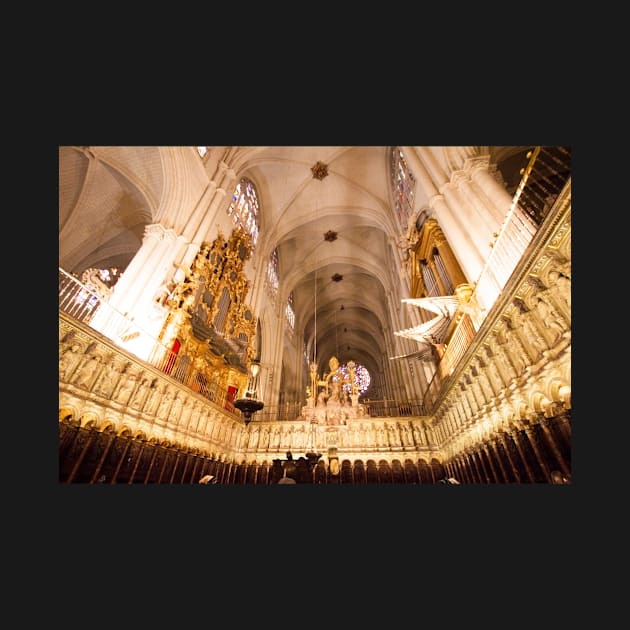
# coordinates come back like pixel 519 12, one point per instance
pixel 345 400
pixel 334 380
pixel 321 398
pixel 290 469
pixel 286 480
pixel 87 371
pixel 105 382
pixel 558 478
pixel 313 388
pixel 128 382
pixel 451 481
pixel 563 285
pixel 333 364
pixel 67 359
pixel 335 391
pixel 549 318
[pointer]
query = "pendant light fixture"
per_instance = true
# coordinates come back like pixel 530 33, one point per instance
pixel 249 404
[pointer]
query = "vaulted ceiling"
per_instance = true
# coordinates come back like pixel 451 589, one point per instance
pixel 327 210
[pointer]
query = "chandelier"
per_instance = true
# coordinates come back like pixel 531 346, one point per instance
pixel 249 404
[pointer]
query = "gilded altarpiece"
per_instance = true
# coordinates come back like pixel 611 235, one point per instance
pixel 210 326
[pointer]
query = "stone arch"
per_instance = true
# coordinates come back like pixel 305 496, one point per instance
pixel 251 471
pixel 564 394
pixel 108 426
pixel 398 474
pixel 89 420
pixel 345 472
pixel 437 468
pixel 68 414
pixel 539 401
pixel 506 413
pixel 411 472
pixel 560 392
pixel 523 410
pixel 358 472
pixel 371 471
pixel 515 423
pixel 424 470
pixel 121 233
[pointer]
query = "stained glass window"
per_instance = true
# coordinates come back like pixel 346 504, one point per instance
pixel 361 377
pixel 289 312
pixel 273 282
pixel 94 278
pixel 244 209
pixel 403 187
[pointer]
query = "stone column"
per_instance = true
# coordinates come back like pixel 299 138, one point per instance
pixel 121 459
pixel 519 447
pixel 479 232
pixel 138 460
pixel 484 470
pixel 488 458
pixel 109 322
pixel 163 469
pixel 473 468
pixel 99 466
pixel 564 466
pixel 226 186
pixel 529 433
pixel 470 259
pixel 186 464
pixel 465 213
pixel 175 465
pixel 562 426
pixel 497 458
pixel 503 438
pixel 194 473
pixel 154 449
pixel 500 199
pixel 463 469
pixel 84 450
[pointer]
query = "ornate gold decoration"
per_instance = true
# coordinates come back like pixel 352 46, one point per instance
pixel 209 315
pixel 319 170
pixel 432 238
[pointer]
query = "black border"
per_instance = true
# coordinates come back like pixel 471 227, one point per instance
pixel 243 535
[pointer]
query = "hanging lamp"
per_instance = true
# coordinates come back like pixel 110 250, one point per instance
pixel 249 404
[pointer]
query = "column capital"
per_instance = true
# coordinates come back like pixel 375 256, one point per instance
pixel 154 230
pixel 437 198
pixel 477 163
